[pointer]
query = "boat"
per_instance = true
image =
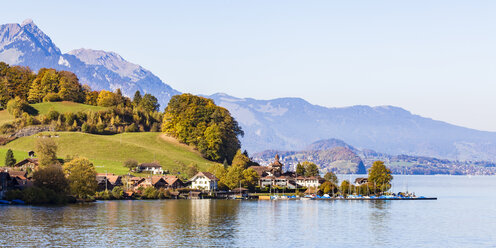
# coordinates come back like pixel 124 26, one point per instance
pixel 18 202
pixel 4 202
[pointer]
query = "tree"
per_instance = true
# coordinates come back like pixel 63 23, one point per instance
pixel 137 98
pixel 311 169
pixel 46 150
pixel 51 177
pixel 346 188
pixel 107 99
pixel 250 178
pixel 81 175
pixel 197 121
pixel 233 176
pixel 328 188
pixel 9 158
pixel 149 103
pixel 380 176
pixel 131 164
pixel 331 177
pixel 219 171
pixel 300 169
pixel 240 159
pixel 118 192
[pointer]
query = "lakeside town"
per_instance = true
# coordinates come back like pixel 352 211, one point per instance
pixel 271 183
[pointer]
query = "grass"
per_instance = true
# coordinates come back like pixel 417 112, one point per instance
pixel 45 107
pixel 108 152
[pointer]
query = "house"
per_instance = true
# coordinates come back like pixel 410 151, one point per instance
pixel 134 181
pixel 204 181
pixel 151 167
pixel 308 181
pixel 155 181
pixel 281 181
pixel 273 169
pixel 361 181
pixel 27 163
pixel 107 181
pixel 174 182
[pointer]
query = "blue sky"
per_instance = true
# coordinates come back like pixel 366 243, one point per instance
pixel 434 58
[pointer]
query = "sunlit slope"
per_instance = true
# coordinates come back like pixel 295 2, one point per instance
pixel 108 152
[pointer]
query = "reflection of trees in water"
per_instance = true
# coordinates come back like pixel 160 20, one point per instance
pixel 379 218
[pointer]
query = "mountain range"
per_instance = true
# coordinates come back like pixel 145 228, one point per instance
pixel 277 124
pixel 25 44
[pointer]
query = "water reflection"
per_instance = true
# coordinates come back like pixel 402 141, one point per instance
pixel 224 223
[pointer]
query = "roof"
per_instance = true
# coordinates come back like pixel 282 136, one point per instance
pixel 14 173
pixel 260 169
pixel 171 179
pixel 113 179
pixel 27 160
pixel 150 165
pixel 208 175
pixel 361 180
pixel 156 179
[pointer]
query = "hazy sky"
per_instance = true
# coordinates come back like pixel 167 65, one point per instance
pixel 434 58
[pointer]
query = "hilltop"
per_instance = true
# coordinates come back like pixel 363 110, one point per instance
pixel 109 152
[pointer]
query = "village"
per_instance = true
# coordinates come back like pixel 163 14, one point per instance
pixel 271 179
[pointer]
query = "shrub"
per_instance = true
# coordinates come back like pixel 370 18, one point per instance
pixel 118 192
pixel 53 115
pixel 52 97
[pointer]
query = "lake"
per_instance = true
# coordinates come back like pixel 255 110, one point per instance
pixel 463 216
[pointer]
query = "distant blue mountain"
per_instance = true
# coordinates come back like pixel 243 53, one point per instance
pixel 292 124
pixel 25 44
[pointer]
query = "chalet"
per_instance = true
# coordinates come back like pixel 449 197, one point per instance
pixel 204 181
pixel 155 181
pixel 361 181
pixel 134 181
pixel 173 182
pixel 151 167
pixel 107 181
pixel 27 163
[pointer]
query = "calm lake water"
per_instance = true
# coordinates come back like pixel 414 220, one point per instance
pixel 463 216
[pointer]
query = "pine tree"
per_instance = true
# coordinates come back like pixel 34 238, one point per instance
pixel 9 158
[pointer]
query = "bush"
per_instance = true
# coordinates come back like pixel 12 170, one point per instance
pixel 150 193
pixel 52 97
pixel 17 106
pixel 53 115
pixel 118 192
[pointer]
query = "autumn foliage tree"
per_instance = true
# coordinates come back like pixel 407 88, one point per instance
pixel 199 122
pixel 81 175
pixel 380 177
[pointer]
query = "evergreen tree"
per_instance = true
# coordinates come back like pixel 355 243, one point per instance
pixel 137 98
pixel 9 158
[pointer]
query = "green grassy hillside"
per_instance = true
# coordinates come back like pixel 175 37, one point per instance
pixel 108 152
pixel 45 107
